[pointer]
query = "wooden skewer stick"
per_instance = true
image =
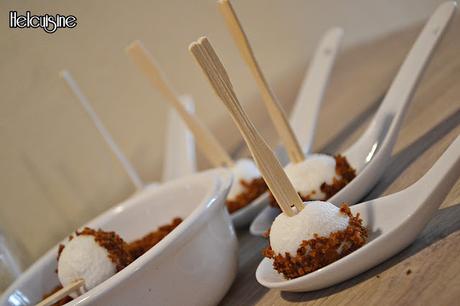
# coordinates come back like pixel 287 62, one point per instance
pixel 127 166
pixel 62 293
pixel 269 166
pixel 271 102
pixel 206 141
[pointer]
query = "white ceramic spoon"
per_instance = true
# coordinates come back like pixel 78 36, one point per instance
pixel 393 222
pixel 371 153
pixel 179 155
pixel 304 114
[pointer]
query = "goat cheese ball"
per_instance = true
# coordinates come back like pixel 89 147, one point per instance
pixel 313 238
pixel 93 256
pixel 321 218
pixel 308 175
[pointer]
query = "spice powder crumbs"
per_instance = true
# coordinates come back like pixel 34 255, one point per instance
pixel 252 190
pixel 140 246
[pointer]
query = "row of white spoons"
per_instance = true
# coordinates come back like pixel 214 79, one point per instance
pixel 393 221
pixel 371 153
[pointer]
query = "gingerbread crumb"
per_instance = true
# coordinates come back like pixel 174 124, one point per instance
pixel 60 249
pixel 252 190
pixel 346 174
pixel 318 252
pixel 140 246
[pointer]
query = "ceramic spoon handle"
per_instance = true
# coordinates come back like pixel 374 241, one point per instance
pixel 409 75
pixel 180 159
pixel 432 188
pixel 304 114
pixel 394 106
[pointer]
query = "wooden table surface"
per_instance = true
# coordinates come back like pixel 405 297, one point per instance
pixel 428 271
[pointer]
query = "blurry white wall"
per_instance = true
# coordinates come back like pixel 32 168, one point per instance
pixel 56 172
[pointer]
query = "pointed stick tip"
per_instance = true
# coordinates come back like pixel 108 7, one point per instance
pixel 197 43
pixel 193 45
pixel 202 39
pixel 134 45
pixel 64 73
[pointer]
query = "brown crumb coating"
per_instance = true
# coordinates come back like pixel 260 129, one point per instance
pixel 319 251
pixel 140 246
pixel 345 174
pixel 113 243
pixel 252 190
pixel 60 249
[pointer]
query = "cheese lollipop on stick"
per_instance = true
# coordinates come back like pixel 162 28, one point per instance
pixel 269 166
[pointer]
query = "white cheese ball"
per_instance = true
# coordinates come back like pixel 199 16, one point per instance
pixel 322 218
pixel 244 169
pixel 308 175
pixel 83 258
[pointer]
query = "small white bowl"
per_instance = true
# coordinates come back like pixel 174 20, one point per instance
pixel 194 265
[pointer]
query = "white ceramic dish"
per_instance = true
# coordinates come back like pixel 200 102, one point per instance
pixel 194 265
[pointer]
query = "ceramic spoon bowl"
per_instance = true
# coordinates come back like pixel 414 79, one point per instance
pixel 393 223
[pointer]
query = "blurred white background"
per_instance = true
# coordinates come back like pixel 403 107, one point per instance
pixel 56 172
